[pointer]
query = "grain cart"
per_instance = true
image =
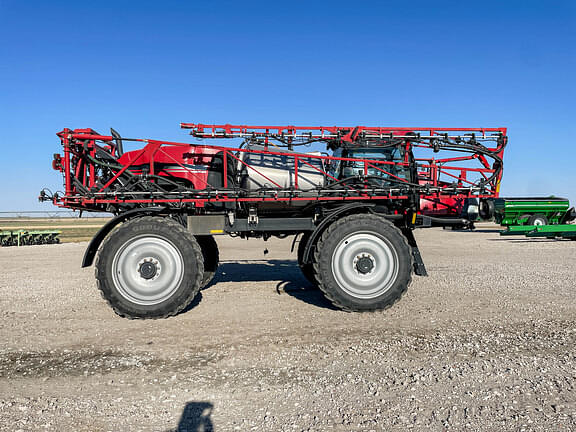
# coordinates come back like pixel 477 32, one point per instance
pixel 353 196
pixel 520 215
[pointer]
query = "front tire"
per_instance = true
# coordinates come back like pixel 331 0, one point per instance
pixel 363 263
pixel 150 267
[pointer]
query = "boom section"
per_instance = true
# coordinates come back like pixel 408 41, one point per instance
pixel 403 163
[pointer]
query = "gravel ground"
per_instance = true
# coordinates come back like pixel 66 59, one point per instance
pixel 486 342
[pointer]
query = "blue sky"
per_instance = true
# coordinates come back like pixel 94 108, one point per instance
pixel 143 67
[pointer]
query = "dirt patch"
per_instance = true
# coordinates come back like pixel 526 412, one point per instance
pixel 486 342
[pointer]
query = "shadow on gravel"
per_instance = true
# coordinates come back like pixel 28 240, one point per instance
pixel 256 271
pixel 195 302
pixel 526 240
pixel 287 272
pixel 305 292
pixel 195 418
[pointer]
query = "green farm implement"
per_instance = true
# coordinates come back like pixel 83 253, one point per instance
pixel 535 217
pixel 24 237
pixel 532 211
pixel 554 231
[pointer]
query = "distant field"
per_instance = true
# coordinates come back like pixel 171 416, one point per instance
pixel 73 229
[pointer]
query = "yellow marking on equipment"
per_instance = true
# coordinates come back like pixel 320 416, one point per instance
pixel 216 231
pixel 413 218
pixel 498 187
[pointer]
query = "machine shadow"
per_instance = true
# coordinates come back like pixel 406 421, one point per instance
pixel 525 240
pixel 195 418
pixel 287 272
pixel 257 271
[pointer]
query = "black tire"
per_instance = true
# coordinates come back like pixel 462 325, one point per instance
pixel 363 263
pixel 537 219
pixel 306 268
pixel 150 267
pixel 211 257
pixel 486 209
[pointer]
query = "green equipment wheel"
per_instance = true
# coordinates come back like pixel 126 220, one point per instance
pixel 538 219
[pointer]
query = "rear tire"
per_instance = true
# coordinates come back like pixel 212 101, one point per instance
pixel 150 267
pixel 211 257
pixel 363 263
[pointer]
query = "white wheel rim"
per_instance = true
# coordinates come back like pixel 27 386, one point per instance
pixel 147 270
pixel 365 265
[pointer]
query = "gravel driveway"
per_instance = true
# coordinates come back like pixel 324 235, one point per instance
pixel 486 342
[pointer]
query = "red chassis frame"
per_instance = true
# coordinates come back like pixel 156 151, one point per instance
pixel 444 183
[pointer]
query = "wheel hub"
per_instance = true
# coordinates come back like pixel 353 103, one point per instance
pixel 364 264
pixel 149 269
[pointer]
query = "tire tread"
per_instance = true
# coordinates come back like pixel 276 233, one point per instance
pixel 129 225
pixel 328 233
